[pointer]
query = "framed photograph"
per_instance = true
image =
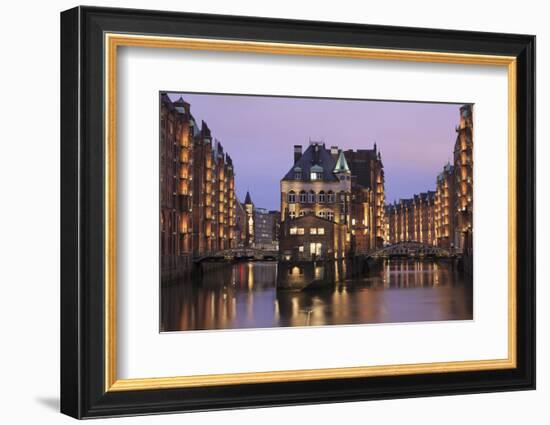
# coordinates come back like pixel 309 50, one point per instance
pixel 261 212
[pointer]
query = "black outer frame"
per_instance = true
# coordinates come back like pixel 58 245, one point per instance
pixel 82 212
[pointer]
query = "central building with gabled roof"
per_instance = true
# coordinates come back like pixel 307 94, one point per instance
pixel 346 188
pixel 318 183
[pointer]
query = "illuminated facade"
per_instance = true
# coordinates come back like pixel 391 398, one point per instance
pixel 311 237
pixel 214 195
pixel 318 183
pixel 177 132
pixel 443 217
pixel 197 190
pixel 249 226
pixel 240 224
pixel 445 202
pixel 343 187
pixel 463 169
pixel 367 198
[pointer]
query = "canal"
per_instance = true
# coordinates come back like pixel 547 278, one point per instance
pixel 244 295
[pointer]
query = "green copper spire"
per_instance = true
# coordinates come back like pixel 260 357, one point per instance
pixel 341 165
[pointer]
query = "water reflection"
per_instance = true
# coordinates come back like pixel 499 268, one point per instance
pixel 244 295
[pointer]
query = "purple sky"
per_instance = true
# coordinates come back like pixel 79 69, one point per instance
pixel 416 139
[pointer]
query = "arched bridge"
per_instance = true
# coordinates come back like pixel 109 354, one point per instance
pixel 410 249
pixel 233 254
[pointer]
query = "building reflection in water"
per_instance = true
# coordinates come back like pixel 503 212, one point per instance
pixel 244 295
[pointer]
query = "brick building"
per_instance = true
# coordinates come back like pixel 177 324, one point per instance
pixel 344 187
pixel 444 217
pixel 463 170
pixel 445 205
pixel 367 198
pixel 197 190
pixel 177 132
pixel 310 237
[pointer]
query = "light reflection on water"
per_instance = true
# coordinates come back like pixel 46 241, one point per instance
pixel 244 295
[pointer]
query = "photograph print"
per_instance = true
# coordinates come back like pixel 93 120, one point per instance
pixel 294 212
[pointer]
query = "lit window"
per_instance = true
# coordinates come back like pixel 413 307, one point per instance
pixel 321 231
pixel 313 231
pixel 293 230
pixel 316 175
pixel 300 230
pixel 301 248
pixel 330 215
pixel 292 214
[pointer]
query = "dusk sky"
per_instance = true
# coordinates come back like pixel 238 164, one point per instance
pixel 415 139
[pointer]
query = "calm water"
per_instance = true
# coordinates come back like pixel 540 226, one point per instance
pixel 244 295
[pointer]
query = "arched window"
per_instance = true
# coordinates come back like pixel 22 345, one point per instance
pixel 311 197
pixel 330 197
pixel 322 196
pixel 330 215
pixel 303 197
pixel 291 197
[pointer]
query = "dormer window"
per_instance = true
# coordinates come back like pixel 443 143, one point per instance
pixel 316 172
pixel 297 175
pixel 316 176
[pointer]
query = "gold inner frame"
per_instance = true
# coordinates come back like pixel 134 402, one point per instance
pixel 112 41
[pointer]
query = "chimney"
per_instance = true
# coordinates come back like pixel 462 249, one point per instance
pixel 334 152
pixel 297 153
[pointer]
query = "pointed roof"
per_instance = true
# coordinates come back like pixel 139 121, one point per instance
pixel 341 165
pixel 247 199
pixel 314 160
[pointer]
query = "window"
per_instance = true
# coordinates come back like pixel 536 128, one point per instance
pixel 297 175
pixel 330 215
pixel 322 214
pixel 291 197
pixel 330 197
pixel 303 197
pixel 313 231
pixel 301 230
pixel 301 248
pixel 321 196
pixel 321 231
pixel 292 214
pixel 293 230
pixel 311 197
pixel 315 248
pixel 316 175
